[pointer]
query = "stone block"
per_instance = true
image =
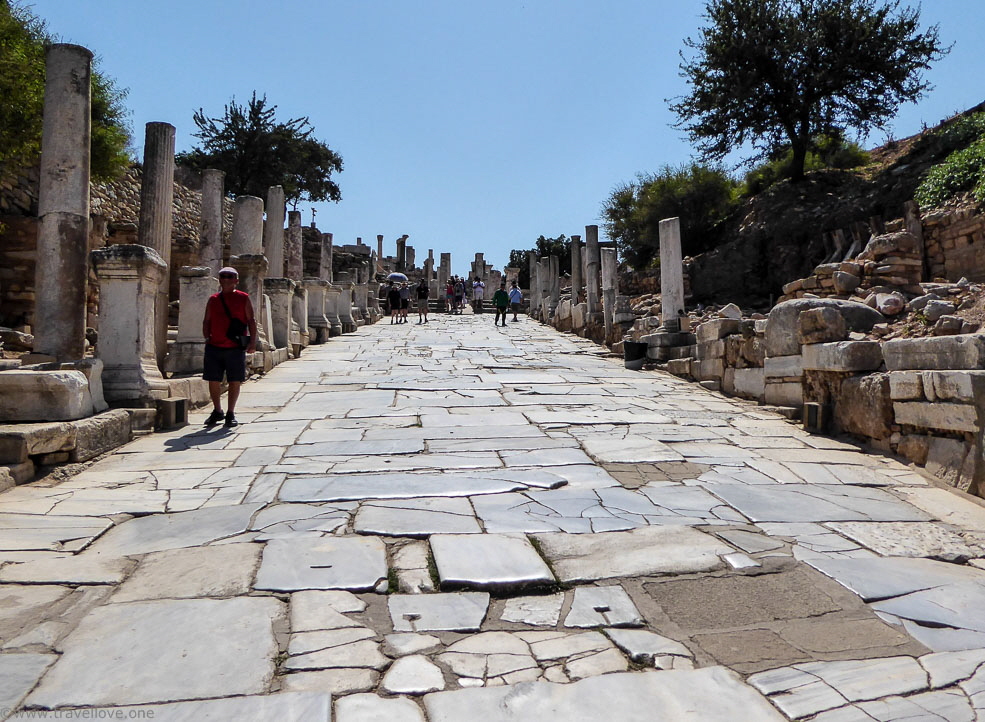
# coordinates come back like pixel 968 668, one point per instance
pixel 23 440
pixel 783 367
pixel 172 413
pixel 914 447
pixel 952 461
pixel 711 350
pixel 843 356
pixel 731 311
pixel 966 351
pixel 864 407
pixel 103 432
pixel 750 383
pixel 906 385
pixel 662 338
pixel 821 325
pixel 680 366
pixel 951 385
pixel 710 370
pixel 845 283
pixel 21 473
pixel 939 415
pixel 784 393
pixel 781 331
pixel 716 328
pixel 6 479
pixel 44 395
pixel 57 457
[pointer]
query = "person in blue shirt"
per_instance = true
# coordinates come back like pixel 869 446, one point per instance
pixel 516 298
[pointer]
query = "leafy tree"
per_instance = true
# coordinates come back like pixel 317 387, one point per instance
pixel 23 41
pixel 701 196
pixel 543 246
pixel 829 151
pixel 786 71
pixel 518 259
pixel 257 151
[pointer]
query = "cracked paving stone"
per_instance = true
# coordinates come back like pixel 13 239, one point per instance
pixel 488 561
pixel 353 563
pixel 78 569
pixel 416 517
pixel 404 643
pixel 602 607
pixel 348 487
pixel 315 705
pixel 332 681
pixel 644 647
pixel 453 612
pixel 414 675
pixel 336 648
pixel 881 578
pixel 216 571
pixel 956 605
pixel 313 611
pixel 18 675
pixel 26 532
pixel 909 539
pixel 537 611
pixel 119 655
pixel 370 707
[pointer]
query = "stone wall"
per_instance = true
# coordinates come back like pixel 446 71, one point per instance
pixel 955 243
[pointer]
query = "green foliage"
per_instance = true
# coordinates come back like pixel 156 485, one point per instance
pixel 701 196
pixel 963 168
pixel 962 171
pixel 543 247
pixel 23 41
pixel 518 259
pixel 830 151
pixel 257 151
pixel 775 72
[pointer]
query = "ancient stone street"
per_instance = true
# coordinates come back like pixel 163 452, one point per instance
pixel 457 521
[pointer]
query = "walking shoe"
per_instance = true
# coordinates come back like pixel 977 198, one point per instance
pixel 230 421
pixel 214 418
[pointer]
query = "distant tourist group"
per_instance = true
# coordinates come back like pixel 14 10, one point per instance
pixel 458 292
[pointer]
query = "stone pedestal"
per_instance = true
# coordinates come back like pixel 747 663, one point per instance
pixel 252 270
pixel 554 274
pixel 318 324
pixel 373 301
pixel 333 297
pixel 63 206
pixel 273 232
pixel 128 280
pixel 610 282
pixel 156 209
pixel 187 353
pixel 345 306
pixel 280 291
pixel 592 270
pixel 211 222
pixel 299 313
pixel 671 270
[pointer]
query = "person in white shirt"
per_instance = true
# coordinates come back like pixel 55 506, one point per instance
pixel 478 290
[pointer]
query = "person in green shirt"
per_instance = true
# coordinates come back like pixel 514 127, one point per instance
pixel 501 300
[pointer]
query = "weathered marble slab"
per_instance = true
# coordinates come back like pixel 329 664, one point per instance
pixel 539 611
pixel 353 563
pixel 488 561
pixel 18 675
pixel 910 539
pixel 602 607
pixel 957 605
pixel 284 706
pixel 369 708
pixel 456 612
pixel 628 450
pixel 712 694
pixel 640 552
pixel 344 487
pixel 414 675
pixel 416 517
pixel 874 579
pixel 25 532
pixel 818 503
pixel 119 655
pixel 215 571
pixel 174 531
pixel 78 569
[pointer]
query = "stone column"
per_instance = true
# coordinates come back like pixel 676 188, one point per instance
pixel 318 325
pixel 575 269
pixel 280 291
pixel 187 354
pixel 671 274
pixel 554 271
pixel 402 254
pixel 346 286
pixel 444 271
pixel 544 292
pixel 379 254
pixel 273 232
pixel 252 269
pixel 327 257
pixel 63 206
pixel 129 276
pixel 592 269
pixel 292 246
pixel 409 258
pixel 210 225
pixel 247 239
pixel 610 284
pixel 299 310
pixel 333 297
pixel 534 270
pixel 156 208
pixel 429 266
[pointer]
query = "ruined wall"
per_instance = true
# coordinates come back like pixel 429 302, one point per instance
pixel 955 243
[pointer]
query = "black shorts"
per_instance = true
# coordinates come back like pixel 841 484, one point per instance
pixel 404 304
pixel 228 361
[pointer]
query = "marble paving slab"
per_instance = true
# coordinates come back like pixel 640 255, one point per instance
pixel 640 552
pixel 18 675
pixel 27 532
pixel 453 611
pixel 352 563
pixel 416 517
pixel 602 607
pixel 488 561
pixel 814 503
pixel 536 611
pixel 910 539
pixel 344 487
pixel 712 694
pixel 874 579
pixel 118 654
pixel 283 707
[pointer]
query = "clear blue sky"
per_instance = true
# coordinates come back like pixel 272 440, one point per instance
pixel 470 125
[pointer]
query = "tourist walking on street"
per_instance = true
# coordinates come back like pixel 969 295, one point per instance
pixel 393 301
pixel 422 301
pixel 478 292
pixel 230 331
pixel 516 298
pixel 501 300
pixel 459 294
pixel 404 302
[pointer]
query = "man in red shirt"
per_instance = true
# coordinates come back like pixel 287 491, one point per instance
pixel 223 355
